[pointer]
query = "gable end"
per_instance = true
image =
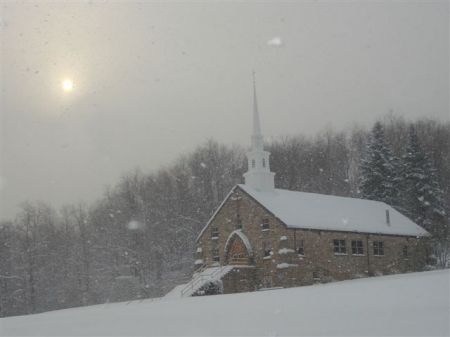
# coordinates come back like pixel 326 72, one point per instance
pixel 216 212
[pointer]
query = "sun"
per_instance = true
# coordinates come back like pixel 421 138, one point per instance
pixel 67 85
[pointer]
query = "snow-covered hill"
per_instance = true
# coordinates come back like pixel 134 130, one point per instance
pixel 411 304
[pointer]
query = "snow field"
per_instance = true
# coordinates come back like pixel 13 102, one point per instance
pixel 410 304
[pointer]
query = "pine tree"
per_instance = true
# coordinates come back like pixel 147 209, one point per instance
pixel 423 200
pixel 379 170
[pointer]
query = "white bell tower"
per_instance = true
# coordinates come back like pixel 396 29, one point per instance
pixel 258 175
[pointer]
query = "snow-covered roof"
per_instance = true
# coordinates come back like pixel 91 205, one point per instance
pixel 327 212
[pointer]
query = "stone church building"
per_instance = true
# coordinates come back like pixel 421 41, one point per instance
pixel 264 237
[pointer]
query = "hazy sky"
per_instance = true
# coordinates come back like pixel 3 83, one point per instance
pixel 153 80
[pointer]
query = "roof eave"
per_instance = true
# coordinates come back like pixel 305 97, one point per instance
pixel 215 213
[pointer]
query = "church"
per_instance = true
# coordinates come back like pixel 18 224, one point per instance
pixel 262 237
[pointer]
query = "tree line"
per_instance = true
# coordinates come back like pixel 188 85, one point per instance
pixel 137 241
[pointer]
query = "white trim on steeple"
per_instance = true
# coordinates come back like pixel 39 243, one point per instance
pixel 258 175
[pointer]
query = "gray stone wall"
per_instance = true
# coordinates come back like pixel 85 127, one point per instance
pixel 241 279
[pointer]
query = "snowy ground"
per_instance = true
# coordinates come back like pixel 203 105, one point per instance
pixel 411 304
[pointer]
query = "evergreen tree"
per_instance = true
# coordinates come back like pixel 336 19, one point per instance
pixel 423 200
pixel 379 170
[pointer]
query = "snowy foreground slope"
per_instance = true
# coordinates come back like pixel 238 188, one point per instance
pixel 411 304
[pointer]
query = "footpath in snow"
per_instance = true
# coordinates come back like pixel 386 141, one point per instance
pixel 411 304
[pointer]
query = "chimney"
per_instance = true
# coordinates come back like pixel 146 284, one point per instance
pixel 388 218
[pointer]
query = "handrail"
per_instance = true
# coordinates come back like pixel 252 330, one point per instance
pixel 201 269
pixel 189 284
pixel 200 279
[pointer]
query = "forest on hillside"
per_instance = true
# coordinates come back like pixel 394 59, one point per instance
pixel 137 241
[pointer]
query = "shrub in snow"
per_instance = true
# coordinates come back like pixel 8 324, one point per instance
pixel 211 288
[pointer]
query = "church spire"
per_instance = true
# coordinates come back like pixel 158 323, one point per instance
pixel 258 175
pixel 257 138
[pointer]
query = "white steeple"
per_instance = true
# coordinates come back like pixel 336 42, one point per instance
pixel 258 175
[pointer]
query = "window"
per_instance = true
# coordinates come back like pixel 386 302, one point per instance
pixel 267 248
pixel 281 275
pixel 253 163
pixel 265 224
pixel 405 251
pixel 238 222
pixel 339 247
pixel 215 232
pixel 215 255
pixel 316 276
pixel 357 247
pixel 264 162
pixel 198 253
pixel 300 249
pixel 378 248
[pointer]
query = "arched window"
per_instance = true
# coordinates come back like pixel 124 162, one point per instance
pixel 264 162
pixel 253 163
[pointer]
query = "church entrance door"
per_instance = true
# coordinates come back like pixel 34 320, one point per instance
pixel 237 252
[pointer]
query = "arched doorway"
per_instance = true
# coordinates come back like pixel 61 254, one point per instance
pixel 238 250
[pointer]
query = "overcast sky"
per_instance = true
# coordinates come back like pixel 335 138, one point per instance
pixel 154 80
